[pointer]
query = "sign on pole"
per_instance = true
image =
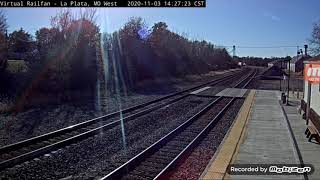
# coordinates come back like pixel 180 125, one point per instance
pixel 312 76
pixel 312 73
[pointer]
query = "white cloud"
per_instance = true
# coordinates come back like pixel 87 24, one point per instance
pixel 271 16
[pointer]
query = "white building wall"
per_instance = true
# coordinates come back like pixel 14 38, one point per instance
pixel 305 98
pixel 292 67
pixel 315 97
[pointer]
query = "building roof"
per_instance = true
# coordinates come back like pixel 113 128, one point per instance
pixel 300 58
pixel 315 59
pixel 273 62
pixel 278 61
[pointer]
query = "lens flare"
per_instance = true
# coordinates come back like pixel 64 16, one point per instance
pixel 111 52
pixel 144 33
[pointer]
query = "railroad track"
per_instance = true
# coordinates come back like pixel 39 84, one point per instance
pixel 19 152
pixel 159 159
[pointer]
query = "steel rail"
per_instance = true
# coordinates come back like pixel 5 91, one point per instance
pixel 51 147
pixel 194 142
pixel 197 140
pixel 69 140
pixel 130 165
pixel 94 120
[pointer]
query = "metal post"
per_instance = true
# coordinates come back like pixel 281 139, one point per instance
pixel 288 90
pixel 280 84
pixel 308 103
pixel 298 89
pixel 303 90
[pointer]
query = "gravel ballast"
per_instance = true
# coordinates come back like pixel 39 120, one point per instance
pixel 193 166
pixel 15 127
pixel 36 121
pixel 154 163
pixel 96 156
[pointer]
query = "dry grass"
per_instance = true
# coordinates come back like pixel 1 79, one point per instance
pixel 13 68
pixel 17 66
pixel 6 107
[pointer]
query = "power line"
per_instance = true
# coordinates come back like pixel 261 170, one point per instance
pixel 270 47
pixel 257 47
pixel 232 49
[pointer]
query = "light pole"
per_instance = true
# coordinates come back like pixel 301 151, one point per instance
pixel 288 90
pixel 282 74
pixel 289 69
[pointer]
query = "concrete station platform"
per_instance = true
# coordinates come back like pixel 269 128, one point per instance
pixel 227 92
pixel 232 92
pixel 265 132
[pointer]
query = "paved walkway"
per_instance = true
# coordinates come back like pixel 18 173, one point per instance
pixel 268 139
pixel 271 135
pixel 309 152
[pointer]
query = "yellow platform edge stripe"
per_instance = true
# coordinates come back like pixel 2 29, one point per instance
pixel 229 149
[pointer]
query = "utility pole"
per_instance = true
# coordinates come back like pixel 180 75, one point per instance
pixel 234 51
pixel 7 47
pixel 306 49
pixel 303 82
pixel 289 69
pixel 281 77
pixel 288 90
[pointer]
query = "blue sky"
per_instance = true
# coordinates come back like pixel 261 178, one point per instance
pixel 244 23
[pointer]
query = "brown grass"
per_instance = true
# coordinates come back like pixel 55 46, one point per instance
pixel 17 66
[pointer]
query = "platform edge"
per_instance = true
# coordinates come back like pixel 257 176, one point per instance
pixel 228 149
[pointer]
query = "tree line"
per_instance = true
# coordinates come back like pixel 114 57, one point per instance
pixel 3 43
pixel 72 55
pixel 137 52
pixel 259 61
pixel 61 59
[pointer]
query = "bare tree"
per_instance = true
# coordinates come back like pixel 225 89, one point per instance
pixel 3 22
pixel 315 39
pixel 89 14
pixel 3 42
pixel 62 21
